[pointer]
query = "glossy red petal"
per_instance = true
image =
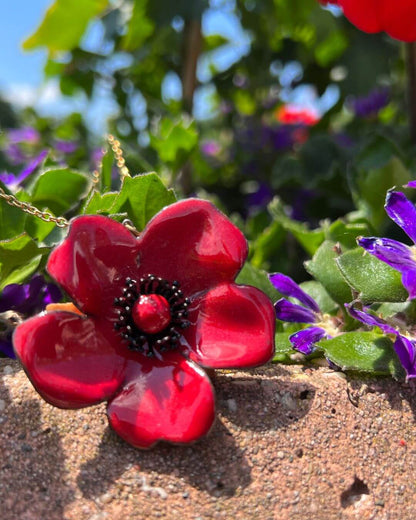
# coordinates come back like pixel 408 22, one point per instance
pixel 234 327
pixel 194 243
pixel 396 18
pixel 93 262
pixel 70 360
pixel 170 400
pixel 399 19
pixel 364 14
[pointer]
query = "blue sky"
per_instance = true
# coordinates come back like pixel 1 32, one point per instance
pixel 19 18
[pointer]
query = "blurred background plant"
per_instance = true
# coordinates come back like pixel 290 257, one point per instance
pixel 288 117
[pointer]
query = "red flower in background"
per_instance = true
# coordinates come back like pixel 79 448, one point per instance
pixel 294 115
pixel 148 310
pixel 397 18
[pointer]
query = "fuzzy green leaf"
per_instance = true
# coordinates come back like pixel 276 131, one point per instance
pixel 364 352
pixel 374 280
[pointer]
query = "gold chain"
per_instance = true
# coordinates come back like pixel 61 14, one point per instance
pixel 118 152
pixel 33 210
pixel 62 222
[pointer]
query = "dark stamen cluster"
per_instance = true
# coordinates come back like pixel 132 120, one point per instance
pixel 142 342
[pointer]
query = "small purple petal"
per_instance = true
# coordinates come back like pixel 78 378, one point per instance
pixel 11 297
pixel 406 352
pixel 6 348
pixel 304 340
pixel 31 167
pixel 26 134
pixel 261 197
pixel 402 212
pixel 397 255
pixel 288 287
pixel 288 311
pixel 409 282
pixel 8 179
pixel 370 319
pixel 52 294
pixel 66 147
pixel 411 184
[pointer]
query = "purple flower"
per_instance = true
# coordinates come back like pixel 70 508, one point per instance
pixel 14 154
pixel 13 181
pixel 66 147
pixel 404 346
pixel 210 148
pixel 371 104
pixel 309 312
pixel 17 301
pixel 259 198
pixel 399 256
pixel 23 135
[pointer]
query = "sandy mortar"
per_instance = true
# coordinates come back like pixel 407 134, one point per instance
pixel 290 442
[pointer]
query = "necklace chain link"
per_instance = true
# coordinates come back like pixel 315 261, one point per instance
pixel 62 222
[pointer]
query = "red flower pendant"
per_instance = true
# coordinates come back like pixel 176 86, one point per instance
pixel 149 311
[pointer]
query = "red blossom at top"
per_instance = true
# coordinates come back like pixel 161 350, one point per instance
pixel 395 17
pixel 150 310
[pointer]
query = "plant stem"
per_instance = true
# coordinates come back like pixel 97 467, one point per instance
pixel 191 51
pixel 411 87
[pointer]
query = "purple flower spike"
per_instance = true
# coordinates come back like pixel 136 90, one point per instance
pixel 304 340
pixel 394 253
pixel 288 311
pixel 405 348
pixel 399 256
pixel 26 134
pixel 401 210
pixel 13 181
pixel 285 285
pixel 370 319
pixel 31 167
pixel 406 352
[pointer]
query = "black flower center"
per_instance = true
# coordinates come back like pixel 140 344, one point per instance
pixel 150 314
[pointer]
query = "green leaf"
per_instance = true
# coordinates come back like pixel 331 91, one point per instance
pixel 250 275
pixel 374 280
pixel 141 197
pixel 376 154
pixel 267 244
pixel 324 268
pixel 319 294
pixel 377 170
pixel 19 258
pixel 175 140
pixel 98 204
pixel 140 27
pixel 38 229
pixel 364 352
pixel 283 348
pixel 64 24
pixel 331 48
pixel 12 220
pixel 309 239
pixel 59 190
pixel 346 233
